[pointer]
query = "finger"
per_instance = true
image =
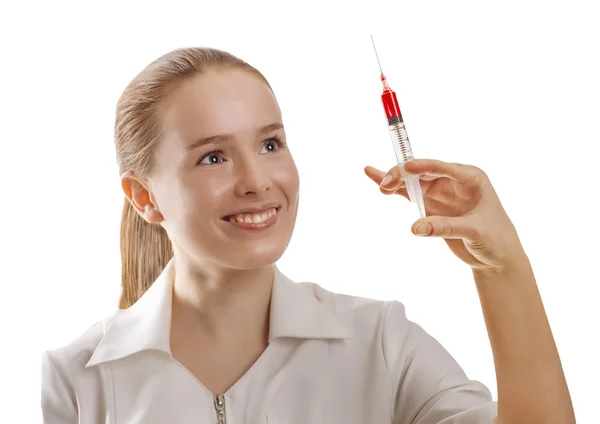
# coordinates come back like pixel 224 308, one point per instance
pixel 375 174
pixel 401 191
pixel 389 182
pixel 392 180
pixel 430 169
pixel 446 227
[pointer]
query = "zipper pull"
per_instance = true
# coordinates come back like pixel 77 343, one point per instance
pixel 220 409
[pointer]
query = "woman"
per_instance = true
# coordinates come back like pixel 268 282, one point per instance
pixel 209 330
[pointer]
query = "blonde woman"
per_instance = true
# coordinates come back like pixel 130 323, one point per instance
pixel 209 330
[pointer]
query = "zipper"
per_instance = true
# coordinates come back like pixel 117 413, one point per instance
pixel 219 402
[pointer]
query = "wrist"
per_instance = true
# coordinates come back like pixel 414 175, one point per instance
pixel 514 269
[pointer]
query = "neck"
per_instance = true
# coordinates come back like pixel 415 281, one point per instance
pixel 222 302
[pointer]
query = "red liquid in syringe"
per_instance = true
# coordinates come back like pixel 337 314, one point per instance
pixel 396 126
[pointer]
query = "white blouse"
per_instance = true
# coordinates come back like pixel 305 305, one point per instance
pixel 331 359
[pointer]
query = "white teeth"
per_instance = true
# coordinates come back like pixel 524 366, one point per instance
pixel 255 218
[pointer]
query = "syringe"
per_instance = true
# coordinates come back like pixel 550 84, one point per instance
pixel 400 139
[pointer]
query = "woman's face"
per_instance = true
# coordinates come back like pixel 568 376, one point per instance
pixel 225 182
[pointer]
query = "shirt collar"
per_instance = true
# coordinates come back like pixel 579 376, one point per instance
pixel 296 312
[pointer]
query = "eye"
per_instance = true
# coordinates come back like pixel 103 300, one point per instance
pixel 273 144
pixel 211 158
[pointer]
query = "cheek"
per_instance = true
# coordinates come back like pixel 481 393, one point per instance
pixel 288 179
pixel 203 195
pixel 179 198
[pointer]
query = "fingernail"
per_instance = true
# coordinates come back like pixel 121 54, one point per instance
pixel 386 180
pixel 423 229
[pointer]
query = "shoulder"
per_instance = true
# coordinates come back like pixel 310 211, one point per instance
pixel 74 356
pixel 363 315
pixel 64 370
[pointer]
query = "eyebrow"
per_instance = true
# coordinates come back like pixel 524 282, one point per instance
pixel 222 138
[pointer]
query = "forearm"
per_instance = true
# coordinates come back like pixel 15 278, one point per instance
pixel 531 383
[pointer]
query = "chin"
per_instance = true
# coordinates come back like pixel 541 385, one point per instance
pixel 255 260
pixel 254 256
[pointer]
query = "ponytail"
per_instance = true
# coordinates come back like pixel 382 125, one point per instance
pixel 145 251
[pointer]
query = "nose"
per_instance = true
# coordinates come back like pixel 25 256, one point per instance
pixel 253 178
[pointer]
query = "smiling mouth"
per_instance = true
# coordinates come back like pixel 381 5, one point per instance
pixel 253 218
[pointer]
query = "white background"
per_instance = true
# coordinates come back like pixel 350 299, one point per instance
pixel 510 87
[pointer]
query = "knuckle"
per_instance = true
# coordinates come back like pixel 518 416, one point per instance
pixel 474 173
pixel 476 231
pixel 475 170
pixel 446 228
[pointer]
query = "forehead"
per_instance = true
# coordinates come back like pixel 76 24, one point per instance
pixel 225 101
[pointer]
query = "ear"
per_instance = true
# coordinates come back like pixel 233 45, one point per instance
pixel 138 194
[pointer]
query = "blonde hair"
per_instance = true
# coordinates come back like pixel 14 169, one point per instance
pixel 146 248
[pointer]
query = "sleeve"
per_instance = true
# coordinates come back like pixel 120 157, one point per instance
pixel 428 385
pixel 58 398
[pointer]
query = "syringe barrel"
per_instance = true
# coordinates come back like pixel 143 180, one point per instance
pixel 404 154
pixel 400 139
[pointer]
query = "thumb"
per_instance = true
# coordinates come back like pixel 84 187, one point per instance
pixel 445 227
